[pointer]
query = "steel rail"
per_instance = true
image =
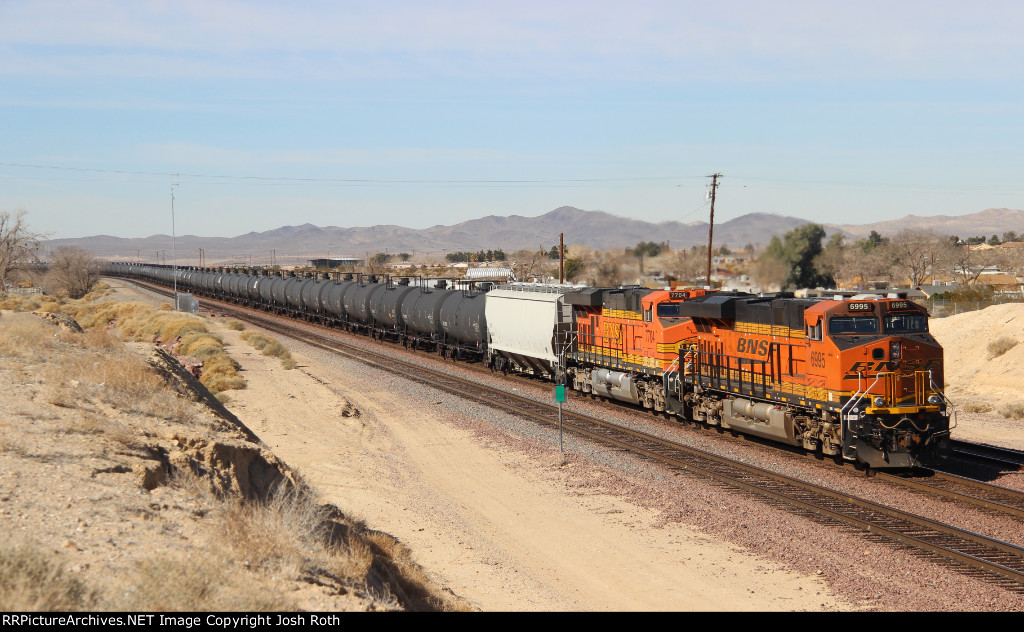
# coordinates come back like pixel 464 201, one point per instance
pixel 1013 459
pixel 994 498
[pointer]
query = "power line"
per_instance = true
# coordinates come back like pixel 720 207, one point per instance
pixel 354 180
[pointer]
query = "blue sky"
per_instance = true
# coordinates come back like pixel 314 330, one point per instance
pixel 422 113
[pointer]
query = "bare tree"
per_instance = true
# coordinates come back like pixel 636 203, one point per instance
pixel 531 264
pixel 913 253
pixel 690 266
pixel 967 262
pixel 73 273
pixel 18 244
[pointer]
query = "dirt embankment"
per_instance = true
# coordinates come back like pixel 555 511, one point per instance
pixel 124 485
pixel 984 367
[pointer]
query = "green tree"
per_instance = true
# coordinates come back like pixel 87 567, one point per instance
pixel 799 251
pixel 646 249
pixel 873 241
pixel 573 267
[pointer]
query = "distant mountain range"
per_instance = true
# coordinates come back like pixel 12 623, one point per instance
pixel 596 229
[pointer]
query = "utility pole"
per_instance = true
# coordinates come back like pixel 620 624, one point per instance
pixel 561 257
pixel 711 224
pixel 174 253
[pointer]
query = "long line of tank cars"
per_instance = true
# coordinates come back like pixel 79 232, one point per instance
pixel 856 378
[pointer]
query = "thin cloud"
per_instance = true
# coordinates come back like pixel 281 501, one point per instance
pixel 645 40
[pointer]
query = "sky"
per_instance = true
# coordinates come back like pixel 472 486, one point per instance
pixel 257 115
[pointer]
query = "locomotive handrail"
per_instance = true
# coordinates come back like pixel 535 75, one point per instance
pixel 936 390
pixel 844 417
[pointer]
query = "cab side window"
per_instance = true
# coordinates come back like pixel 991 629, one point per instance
pixel 814 331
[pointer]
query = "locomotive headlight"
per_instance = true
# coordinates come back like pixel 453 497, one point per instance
pixel 934 400
pixel 895 349
pixel 879 402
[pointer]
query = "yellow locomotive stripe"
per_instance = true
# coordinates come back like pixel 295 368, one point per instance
pixel 779 331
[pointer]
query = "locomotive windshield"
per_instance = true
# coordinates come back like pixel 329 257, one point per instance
pixel 668 310
pixel 852 325
pixel 906 323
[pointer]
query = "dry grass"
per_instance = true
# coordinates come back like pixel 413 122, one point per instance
pixel 181 585
pixel 31 581
pixel 28 337
pixel 976 407
pixel 293 535
pixel 1000 345
pixel 143 323
pixel 1013 411
pixel 236 325
pixel 274 535
pixel 270 347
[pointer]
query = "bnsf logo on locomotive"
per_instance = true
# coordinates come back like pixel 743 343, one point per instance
pixel 752 346
pixel 905 365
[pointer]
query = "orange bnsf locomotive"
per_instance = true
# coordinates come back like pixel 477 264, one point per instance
pixel 856 378
pixel 625 340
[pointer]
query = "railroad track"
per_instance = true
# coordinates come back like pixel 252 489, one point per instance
pixel 970 553
pixel 986 496
pixel 1003 457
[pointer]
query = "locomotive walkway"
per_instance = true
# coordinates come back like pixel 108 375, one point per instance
pixel 970 553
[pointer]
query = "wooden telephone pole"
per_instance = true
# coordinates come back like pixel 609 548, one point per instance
pixel 711 225
pixel 561 257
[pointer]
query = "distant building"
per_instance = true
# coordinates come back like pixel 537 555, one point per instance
pixel 489 273
pixel 331 262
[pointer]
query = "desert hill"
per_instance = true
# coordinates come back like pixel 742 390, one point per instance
pixel 290 245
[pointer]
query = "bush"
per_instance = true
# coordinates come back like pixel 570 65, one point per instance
pixel 1000 345
pixel 1013 411
pixel 270 347
pixel 976 407
pixel 31 580
pixel 143 323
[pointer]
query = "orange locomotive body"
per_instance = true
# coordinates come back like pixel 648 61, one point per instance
pixel 626 339
pixel 857 378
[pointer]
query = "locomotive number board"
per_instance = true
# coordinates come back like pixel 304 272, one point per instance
pixel 861 307
pixel 673 295
pixel 898 305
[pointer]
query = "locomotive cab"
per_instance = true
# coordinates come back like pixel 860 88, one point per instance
pixel 889 372
pixel 858 379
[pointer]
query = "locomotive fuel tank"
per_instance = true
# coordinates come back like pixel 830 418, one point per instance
pixel 615 385
pixel 761 419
